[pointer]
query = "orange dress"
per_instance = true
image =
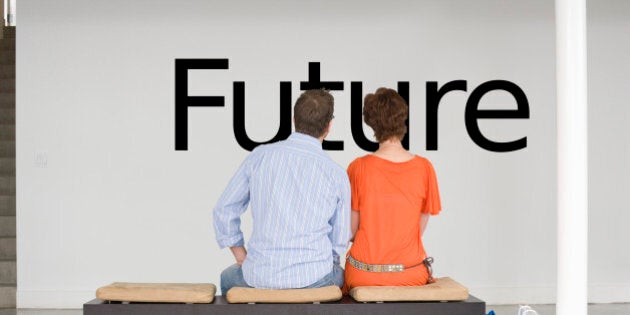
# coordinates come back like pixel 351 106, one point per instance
pixel 390 198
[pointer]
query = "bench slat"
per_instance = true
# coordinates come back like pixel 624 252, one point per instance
pixel 251 295
pixel 158 292
pixel 443 289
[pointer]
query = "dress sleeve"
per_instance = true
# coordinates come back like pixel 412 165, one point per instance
pixel 355 183
pixel 432 204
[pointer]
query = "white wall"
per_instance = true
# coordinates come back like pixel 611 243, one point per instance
pixel 609 149
pixel 102 195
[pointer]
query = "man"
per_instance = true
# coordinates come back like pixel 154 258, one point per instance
pixel 300 203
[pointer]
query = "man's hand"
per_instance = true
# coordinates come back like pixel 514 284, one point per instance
pixel 239 253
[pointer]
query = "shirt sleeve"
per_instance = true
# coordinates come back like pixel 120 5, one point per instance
pixel 232 203
pixel 340 222
pixel 353 176
pixel 432 204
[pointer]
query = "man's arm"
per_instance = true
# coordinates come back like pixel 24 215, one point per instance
pixel 239 253
pixel 227 213
pixel 340 222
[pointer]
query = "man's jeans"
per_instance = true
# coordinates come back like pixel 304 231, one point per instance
pixel 233 277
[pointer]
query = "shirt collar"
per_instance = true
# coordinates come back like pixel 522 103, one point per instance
pixel 304 138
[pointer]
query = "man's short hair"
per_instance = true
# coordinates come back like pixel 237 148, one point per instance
pixel 313 111
pixel 386 112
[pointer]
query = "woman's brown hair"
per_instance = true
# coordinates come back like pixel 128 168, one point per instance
pixel 386 113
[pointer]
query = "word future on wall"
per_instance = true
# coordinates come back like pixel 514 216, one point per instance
pixel 434 94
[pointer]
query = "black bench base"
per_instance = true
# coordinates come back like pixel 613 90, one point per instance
pixel 471 306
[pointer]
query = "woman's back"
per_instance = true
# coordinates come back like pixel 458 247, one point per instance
pixel 390 198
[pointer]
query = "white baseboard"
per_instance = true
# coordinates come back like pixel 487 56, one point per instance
pixel 609 293
pixel 53 299
pixel 500 295
pixel 495 295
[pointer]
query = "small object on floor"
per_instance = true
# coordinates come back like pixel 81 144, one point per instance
pixel 443 289
pixel 252 295
pixel 491 312
pixel 526 310
pixel 158 292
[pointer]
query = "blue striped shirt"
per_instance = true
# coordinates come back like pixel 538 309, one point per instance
pixel 300 203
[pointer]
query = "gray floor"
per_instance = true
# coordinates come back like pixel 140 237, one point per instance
pixel 593 309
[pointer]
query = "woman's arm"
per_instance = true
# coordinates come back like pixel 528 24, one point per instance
pixel 354 223
pixel 424 220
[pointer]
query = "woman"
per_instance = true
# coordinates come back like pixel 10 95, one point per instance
pixel 393 194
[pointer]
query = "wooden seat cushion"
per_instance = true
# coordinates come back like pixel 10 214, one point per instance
pixel 158 292
pixel 251 295
pixel 443 289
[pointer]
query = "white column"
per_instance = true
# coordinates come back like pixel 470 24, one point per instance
pixel 572 157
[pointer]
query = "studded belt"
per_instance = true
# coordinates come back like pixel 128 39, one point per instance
pixel 391 267
pixel 375 268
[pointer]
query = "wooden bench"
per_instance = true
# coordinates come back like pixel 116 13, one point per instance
pixel 156 299
pixel 347 305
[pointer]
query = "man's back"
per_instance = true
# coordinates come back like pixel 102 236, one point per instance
pixel 300 207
